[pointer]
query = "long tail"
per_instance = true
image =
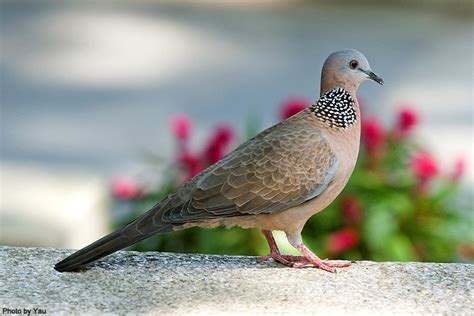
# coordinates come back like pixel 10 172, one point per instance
pixel 141 228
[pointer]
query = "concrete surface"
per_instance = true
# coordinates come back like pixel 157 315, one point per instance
pixel 167 283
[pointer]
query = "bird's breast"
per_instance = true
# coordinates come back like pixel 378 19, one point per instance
pixel 345 145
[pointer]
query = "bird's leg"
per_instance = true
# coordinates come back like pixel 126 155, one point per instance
pixel 311 259
pixel 275 252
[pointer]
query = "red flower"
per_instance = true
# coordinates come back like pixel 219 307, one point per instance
pixel 351 209
pixel 191 163
pixel 125 188
pixel 407 119
pixel 342 240
pixel 218 144
pixel 424 166
pixel 223 134
pixel 214 153
pixel 459 169
pixel 373 135
pixel 292 106
pixel 181 126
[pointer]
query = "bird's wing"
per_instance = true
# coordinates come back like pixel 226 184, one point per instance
pixel 283 166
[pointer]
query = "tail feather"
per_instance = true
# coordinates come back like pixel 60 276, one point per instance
pixel 103 247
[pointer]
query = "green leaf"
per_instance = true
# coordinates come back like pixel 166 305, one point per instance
pixel 378 227
pixel 399 248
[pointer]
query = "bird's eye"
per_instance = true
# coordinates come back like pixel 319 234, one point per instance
pixel 353 64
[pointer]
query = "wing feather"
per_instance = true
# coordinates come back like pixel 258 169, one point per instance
pixel 283 166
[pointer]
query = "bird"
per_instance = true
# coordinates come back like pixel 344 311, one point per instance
pixel 275 181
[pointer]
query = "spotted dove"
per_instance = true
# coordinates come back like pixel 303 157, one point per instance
pixel 275 181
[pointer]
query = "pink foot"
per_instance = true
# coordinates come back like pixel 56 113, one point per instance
pixel 274 251
pixel 294 258
pixel 337 263
pixel 312 259
pixel 309 258
pixel 323 264
pixel 277 257
pixel 280 256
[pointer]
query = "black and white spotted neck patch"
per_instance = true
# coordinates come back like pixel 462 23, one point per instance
pixel 336 107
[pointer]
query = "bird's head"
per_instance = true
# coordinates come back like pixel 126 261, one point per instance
pixel 346 68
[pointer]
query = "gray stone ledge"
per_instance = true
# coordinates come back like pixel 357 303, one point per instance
pixel 168 283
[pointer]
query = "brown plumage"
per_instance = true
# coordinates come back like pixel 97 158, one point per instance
pixel 275 181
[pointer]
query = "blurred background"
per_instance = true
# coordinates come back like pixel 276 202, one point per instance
pixel 107 106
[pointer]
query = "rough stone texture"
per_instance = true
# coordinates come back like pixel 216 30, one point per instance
pixel 167 283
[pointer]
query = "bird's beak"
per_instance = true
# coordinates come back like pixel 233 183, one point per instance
pixel 373 76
